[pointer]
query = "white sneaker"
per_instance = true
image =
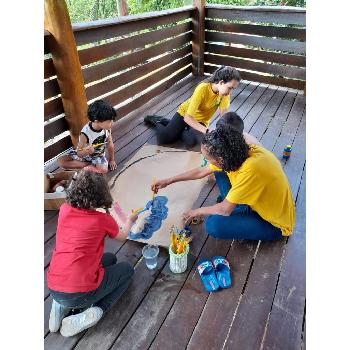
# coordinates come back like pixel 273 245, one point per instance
pixel 74 324
pixel 57 314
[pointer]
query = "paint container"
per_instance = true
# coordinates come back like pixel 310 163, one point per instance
pixel 178 262
pixel 59 189
pixel 150 253
pixel 287 151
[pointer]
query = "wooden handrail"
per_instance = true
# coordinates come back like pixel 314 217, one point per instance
pixel 284 9
pixel 127 19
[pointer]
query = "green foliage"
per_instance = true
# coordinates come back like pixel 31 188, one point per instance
pixel 140 6
pixel 230 2
pixel 89 10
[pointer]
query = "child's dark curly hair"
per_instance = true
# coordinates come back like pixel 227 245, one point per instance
pixel 89 191
pixel 101 111
pixel 227 146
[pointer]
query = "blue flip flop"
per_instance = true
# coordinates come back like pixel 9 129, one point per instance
pixel 222 268
pixel 207 273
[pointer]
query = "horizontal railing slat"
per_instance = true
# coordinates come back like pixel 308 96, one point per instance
pixel 106 29
pixel 135 73
pixel 271 31
pixel 276 57
pixel 141 100
pixel 295 84
pixel 141 85
pixel 266 43
pixel 256 15
pixel 55 128
pixel 56 148
pixel 104 69
pixel 53 108
pixel 51 88
pixel 49 69
pixel 276 69
pixel 100 52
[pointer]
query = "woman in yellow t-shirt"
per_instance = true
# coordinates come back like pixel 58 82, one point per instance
pixel 258 202
pixel 192 118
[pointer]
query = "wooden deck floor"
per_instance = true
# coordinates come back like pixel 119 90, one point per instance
pixel 265 307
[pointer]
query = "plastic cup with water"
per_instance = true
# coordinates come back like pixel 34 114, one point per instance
pixel 150 253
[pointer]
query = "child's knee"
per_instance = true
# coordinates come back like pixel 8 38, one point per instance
pixel 102 168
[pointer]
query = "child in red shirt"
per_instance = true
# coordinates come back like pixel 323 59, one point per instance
pixel 80 276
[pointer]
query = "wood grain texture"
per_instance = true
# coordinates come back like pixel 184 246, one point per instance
pixel 89 32
pixel 255 29
pixel 96 53
pixel 66 62
pixel 263 14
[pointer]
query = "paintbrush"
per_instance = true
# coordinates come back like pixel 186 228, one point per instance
pixel 154 190
pixel 138 210
pixel 94 146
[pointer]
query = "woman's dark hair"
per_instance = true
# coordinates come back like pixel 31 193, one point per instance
pixel 231 119
pixel 225 73
pixel 227 146
pixel 101 111
pixel 89 191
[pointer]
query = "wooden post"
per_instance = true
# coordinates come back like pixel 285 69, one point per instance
pixel 66 61
pixel 198 37
pixel 123 7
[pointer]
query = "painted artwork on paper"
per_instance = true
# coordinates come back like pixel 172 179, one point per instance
pixel 150 220
pixel 131 188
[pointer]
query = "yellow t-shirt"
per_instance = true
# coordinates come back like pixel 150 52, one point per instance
pixel 262 184
pixel 204 102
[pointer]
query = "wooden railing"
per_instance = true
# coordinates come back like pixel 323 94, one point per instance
pixel 55 125
pixel 126 61
pixel 265 44
pixel 129 60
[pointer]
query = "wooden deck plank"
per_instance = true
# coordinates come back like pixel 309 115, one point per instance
pixel 115 320
pixel 184 314
pixel 50 227
pixel 159 299
pixel 163 314
pixel 123 309
pixel 176 319
pixel 49 214
pixel 291 125
pixel 48 248
pixel 278 120
pixel 195 249
pixel 284 329
pixel 258 126
pixel 222 309
pixel 245 108
pixel 257 300
pixel 122 155
pixel 259 107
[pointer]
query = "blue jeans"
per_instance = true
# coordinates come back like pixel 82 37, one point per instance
pixel 243 223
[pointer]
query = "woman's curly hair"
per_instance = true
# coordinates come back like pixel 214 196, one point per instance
pixel 90 190
pixel 227 146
